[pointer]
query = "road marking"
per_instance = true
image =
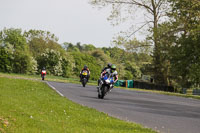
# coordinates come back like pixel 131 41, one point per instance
pixel 55 89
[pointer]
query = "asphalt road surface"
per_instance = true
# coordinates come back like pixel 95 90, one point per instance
pixel 165 114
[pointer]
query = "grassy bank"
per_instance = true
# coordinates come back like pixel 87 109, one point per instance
pixel 31 106
pixel 47 78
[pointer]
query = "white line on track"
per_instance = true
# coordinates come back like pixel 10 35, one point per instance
pixel 55 89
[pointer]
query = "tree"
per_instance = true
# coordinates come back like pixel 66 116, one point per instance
pixel 180 39
pixel 38 41
pixel 78 45
pixel 16 53
pixel 69 47
pixel 185 61
pixel 89 47
pixel 45 35
pixel 44 47
pixel 55 63
pixel 101 58
pixel 82 59
pixel 133 45
pixel 136 51
pixel 133 69
pixel 153 11
pixel 5 60
pixel 67 65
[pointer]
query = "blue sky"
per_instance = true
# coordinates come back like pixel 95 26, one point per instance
pixel 70 20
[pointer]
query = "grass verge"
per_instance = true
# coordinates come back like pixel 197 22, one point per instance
pixel 31 106
pixel 47 78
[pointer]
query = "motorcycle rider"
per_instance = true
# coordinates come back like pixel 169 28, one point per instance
pixel 108 66
pixel 43 70
pixel 43 73
pixel 85 68
pixel 113 73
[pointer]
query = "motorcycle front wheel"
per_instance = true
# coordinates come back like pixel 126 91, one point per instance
pixel 84 81
pixel 103 90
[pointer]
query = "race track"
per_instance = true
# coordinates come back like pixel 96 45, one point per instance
pixel 167 114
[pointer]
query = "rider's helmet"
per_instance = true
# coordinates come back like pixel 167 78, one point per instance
pixel 109 65
pixel 113 67
pixel 43 68
pixel 85 67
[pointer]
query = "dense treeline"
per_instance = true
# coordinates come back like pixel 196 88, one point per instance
pixel 170 54
pixel 27 52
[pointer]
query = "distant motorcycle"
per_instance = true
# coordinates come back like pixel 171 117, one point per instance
pixel 43 74
pixel 105 85
pixel 84 78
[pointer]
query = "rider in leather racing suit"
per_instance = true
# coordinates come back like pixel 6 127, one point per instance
pixel 107 67
pixel 43 69
pixel 85 68
pixel 113 73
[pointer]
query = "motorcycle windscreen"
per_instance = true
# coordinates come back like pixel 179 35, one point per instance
pixel 84 73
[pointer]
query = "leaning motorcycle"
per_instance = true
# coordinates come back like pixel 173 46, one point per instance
pixel 105 85
pixel 84 78
pixel 43 74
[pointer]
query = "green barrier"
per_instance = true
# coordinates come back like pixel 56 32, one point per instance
pixel 120 83
pixel 129 83
pixel 124 83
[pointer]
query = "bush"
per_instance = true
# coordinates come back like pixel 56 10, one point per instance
pixel 82 59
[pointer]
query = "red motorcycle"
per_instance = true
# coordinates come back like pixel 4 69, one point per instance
pixel 43 74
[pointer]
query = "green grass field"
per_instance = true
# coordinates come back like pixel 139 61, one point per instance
pixel 30 106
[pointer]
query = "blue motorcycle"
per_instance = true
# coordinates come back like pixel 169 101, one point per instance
pixel 105 85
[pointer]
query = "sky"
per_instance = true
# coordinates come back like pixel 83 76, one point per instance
pixel 70 20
